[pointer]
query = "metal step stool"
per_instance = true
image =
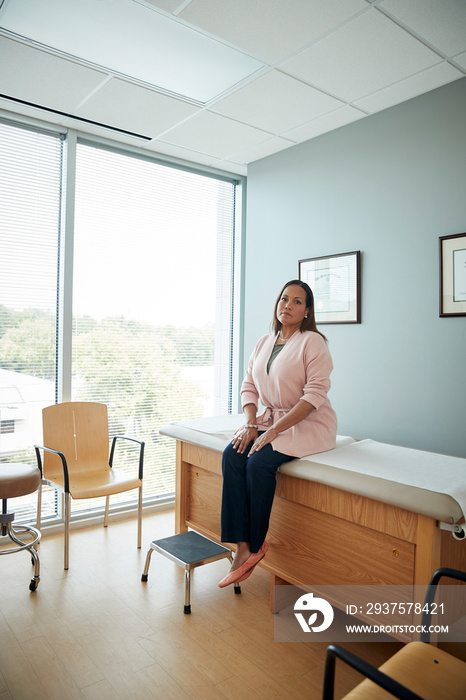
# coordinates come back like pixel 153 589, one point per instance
pixel 190 550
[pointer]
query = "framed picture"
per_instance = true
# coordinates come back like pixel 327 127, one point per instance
pixel 453 275
pixel 335 282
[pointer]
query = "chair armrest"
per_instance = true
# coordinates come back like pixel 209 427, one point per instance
pixel 430 596
pixel 66 479
pixel 141 444
pixel 372 673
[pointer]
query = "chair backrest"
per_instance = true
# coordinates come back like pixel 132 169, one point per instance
pixel 79 429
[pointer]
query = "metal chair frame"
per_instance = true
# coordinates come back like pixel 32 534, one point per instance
pixel 16 533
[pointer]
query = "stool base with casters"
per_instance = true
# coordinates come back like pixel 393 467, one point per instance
pixel 19 480
pixel 189 550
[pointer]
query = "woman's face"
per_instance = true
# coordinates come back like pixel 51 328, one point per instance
pixel 291 308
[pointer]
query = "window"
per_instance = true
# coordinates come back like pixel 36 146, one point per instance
pixel 152 291
pixel 152 299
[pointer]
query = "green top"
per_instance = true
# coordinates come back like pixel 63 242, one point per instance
pixel 275 351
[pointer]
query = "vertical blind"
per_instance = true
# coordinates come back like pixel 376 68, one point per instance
pixel 30 188
pixel 152 292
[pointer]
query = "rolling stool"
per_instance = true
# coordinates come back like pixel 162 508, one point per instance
pixel 19 480
pixel 189 549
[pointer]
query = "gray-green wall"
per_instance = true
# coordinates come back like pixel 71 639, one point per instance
pixel 388 185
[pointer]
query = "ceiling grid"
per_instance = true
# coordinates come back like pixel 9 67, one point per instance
pixel 223 84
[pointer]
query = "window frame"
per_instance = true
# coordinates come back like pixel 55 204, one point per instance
pixel 71 138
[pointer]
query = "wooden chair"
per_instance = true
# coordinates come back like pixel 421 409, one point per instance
pixel 418 671
pixel 76 460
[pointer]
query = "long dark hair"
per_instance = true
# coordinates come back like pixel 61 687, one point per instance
pixel 309 323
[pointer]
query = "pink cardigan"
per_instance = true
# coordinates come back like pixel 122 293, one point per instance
pixel 300 371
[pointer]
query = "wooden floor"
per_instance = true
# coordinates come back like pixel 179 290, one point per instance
pixel 97 632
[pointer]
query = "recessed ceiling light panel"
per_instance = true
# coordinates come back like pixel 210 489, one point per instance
pixel 133 40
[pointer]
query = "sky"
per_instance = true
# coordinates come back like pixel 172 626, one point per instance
pixel 145 236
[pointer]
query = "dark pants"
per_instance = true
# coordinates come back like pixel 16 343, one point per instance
pixel 248 491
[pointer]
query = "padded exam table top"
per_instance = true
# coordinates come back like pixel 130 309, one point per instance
pixel 422 482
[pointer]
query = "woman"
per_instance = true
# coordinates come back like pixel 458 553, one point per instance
pixel 289 374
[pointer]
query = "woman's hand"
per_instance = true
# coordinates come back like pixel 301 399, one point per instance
pixel 263 440
pixel 243 437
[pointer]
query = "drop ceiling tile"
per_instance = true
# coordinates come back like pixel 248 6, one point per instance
pixel 186 155
pixel 461 60
pixel 334 120
pixel 410 87
pixel 37 76
pixel 262 150
pixel 269 29
pixel 165 5
pixel 275 102
pixel 229 166
pixel 442 24
pixel 214 135
pixel 135 108
pixel 157 146
pixel 367 54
